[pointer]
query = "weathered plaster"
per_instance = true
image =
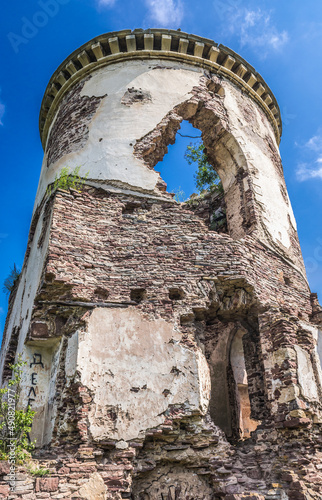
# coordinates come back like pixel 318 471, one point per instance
pixel 276 214
pixel 137 369
pixel 305 373
pixel 115 128
pixel 38 386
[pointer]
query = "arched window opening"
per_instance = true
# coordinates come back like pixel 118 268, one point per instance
pixel 224 153
pixel 193 181
pixel 237 361
pixel 237 402
pixel 182 180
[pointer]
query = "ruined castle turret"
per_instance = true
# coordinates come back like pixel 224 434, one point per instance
pixel 165 358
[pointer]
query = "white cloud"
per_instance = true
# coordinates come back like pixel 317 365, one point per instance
pixel 315 143
pixel 255 29
pixel 106 3
pixel 305 171
pixel 2 111
pixel 166 13
pixel 258 31
pixel 313 149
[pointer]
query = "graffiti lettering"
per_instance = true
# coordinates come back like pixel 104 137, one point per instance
pixel 37 360
pixel 30 400
pixel 32 390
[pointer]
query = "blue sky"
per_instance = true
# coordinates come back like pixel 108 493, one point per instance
pixel 282 40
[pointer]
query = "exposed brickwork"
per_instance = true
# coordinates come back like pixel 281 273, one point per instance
pixel 156 248
pixel 272 462
pixel 70 129
pixel 119 244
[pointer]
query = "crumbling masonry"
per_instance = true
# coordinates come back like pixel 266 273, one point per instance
pixel 171 353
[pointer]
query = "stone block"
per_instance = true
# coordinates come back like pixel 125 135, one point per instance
pixel 49 484
pixel 39 329
pixel 4 491
pixel 4 468
pixel 94 489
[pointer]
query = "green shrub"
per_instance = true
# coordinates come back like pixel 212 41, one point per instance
pixel 15 424
pixel 10 282
pixel 38 471
pixel 66 180
pixel 206 177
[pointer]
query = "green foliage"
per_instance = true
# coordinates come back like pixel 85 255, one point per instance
pixel 15 424
pixel 206 177
pixel 11 280
pixel 179 195
pixel 38 471
pixel 66 180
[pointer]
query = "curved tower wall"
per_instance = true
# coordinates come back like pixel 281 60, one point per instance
pixel 115 116
pixel 154 334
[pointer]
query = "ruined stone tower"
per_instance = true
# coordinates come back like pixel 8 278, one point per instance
pixel 168 357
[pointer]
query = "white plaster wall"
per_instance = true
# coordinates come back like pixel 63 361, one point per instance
pixel 317 353
pixel 128 362
pixel 120 126
pixel 286 394
pixel 306 386
pixel 305 374
pixel 276 214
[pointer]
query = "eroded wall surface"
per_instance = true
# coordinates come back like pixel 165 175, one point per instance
pixel 139 307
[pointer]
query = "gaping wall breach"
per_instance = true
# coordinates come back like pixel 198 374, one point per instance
pixel 166 358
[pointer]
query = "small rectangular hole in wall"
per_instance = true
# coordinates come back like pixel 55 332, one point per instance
pixel 129 208
pixel 176 294
pixel 101 293
pixel 138 294
pixel 186 318
pixel 132 206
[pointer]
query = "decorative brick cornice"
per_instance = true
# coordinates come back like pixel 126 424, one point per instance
pixel 156 44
